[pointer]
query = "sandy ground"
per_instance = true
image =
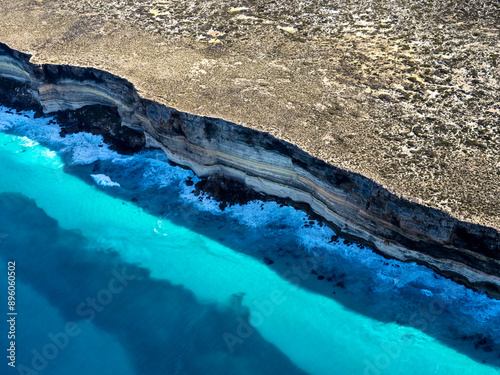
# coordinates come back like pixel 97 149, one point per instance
pixel 404 92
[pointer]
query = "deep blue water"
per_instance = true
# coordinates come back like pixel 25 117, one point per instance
pixel 128 272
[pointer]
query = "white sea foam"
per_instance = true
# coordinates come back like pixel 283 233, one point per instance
pixel 103 180
pixel 426 292
pixel 26 142
pixel 370 272
pixel 160 229
pixel 159 173
pixel 49 154
pixel 5 125
pixel 87 148
pixel 473 310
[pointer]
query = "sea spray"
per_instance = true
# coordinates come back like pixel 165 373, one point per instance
pixel 405 293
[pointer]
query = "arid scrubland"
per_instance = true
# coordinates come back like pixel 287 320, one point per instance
pixel 406 92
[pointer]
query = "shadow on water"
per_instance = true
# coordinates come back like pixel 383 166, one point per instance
pixel 163 328
pixel 406 306
pixel 277 246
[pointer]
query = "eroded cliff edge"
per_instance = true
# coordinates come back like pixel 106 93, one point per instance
pixel 354 205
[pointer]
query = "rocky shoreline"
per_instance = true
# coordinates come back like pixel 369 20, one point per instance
pixel 254 163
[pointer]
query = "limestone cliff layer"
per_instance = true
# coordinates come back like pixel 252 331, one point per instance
pixel 354 205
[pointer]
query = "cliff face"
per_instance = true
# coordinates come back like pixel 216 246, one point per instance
pixel 354 205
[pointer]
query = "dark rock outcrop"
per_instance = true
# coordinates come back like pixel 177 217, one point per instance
pixel 102 120
pixel 252 161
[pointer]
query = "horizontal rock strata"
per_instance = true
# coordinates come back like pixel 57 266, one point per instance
pixel 355 206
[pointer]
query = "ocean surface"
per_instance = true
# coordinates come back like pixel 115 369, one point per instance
pixel 122 269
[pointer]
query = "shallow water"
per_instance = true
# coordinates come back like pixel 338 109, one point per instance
pixel 192 292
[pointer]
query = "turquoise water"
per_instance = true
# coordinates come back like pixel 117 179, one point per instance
pixel 153 279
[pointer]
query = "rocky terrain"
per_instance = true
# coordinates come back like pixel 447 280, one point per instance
pixel 404 92
pixel 253 162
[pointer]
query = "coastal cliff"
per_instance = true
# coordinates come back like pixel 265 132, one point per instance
pixel 355 206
